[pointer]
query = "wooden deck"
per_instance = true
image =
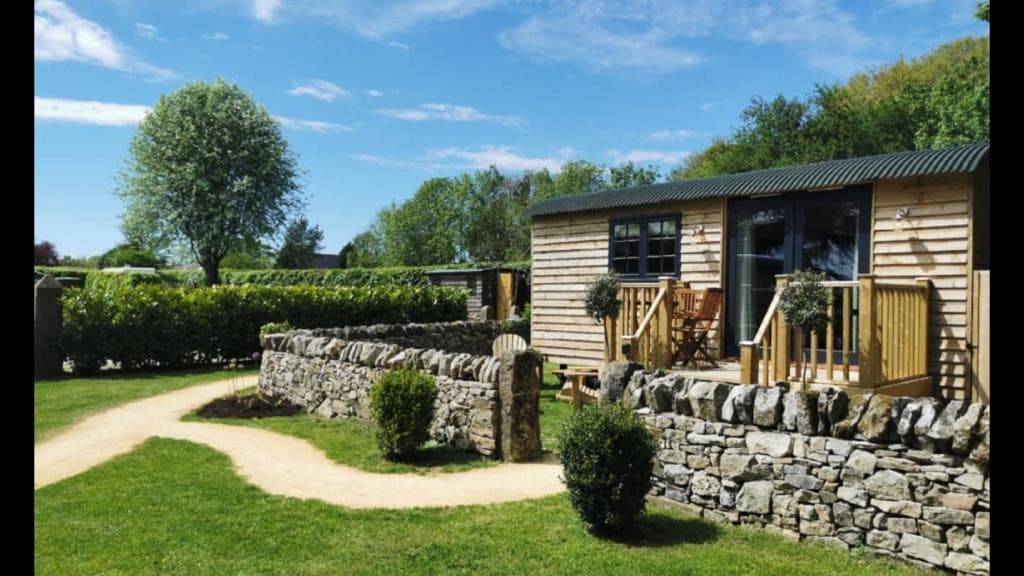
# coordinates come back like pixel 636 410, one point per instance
pixel 728 371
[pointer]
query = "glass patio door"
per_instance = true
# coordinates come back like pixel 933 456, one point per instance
pixel 824 231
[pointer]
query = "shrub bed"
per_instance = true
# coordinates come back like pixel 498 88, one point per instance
pixel 155 325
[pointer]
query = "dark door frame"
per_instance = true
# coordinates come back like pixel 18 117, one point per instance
pixel 794 207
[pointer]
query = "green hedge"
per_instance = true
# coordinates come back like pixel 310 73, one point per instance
pixel 401 276
pixel 154 325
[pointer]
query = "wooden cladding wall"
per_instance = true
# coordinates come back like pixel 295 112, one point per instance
pixel 569 250
pixel 933 241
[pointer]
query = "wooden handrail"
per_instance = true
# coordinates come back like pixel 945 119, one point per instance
pixel 645 323
pixel 766 322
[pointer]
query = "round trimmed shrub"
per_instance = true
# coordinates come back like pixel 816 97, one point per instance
pixel 402 405
pixel 607 456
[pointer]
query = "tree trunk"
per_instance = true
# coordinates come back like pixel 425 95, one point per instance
pixel 212 270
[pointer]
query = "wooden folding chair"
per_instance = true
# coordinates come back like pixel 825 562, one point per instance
pixel 692 336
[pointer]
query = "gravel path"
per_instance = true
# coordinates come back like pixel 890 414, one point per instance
pixel 277 463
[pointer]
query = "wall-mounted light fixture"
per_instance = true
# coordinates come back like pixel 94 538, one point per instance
pixel 698 229
pixel 902 213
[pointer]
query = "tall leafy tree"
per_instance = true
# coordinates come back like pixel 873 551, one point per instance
pixel 208 168
pixel 367 248
pixel 575 177
pixel 344 254
pixel 301 241
pixel 46 254
pixel 426 228
pixel 628 175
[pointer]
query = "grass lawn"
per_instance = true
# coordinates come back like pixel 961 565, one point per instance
pixel 64 401
pixel 172 507
pixel 351 443
pixel 552 412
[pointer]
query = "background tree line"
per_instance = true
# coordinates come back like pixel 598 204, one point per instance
pixel 477 217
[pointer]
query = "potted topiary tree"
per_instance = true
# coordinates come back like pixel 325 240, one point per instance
pixel 601 300
pixel 804 304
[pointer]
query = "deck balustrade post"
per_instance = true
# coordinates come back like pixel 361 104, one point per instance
pixel 867 337
pixel 922 318
pixel 663 356
pixel 781 345
pixel 748 363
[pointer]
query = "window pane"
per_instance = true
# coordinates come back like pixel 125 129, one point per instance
pixel 653 229
pixel 634 248
pixel 633 266
pixel 668 229
pixel 618 250
pixel 619 266
pixel 653 247
pixel 620 231
pixel 634 231
pixel 668 247
pixel 654 265
pixel 668 265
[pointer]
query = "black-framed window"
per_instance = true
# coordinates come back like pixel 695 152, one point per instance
pixel 644 247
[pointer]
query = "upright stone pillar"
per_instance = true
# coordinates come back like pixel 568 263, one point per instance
pixel 519 392
pixel 49 362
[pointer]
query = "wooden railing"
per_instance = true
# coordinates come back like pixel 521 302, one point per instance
pixel 891 332
pixel 642 332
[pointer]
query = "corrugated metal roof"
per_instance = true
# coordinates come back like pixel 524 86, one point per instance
pixel 804 177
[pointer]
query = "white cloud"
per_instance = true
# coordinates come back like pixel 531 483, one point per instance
pixel 264 10
pixel 907 3
pixel 313 125
pixel 217 36
pixel 680 134
pixel 89 112
pixel 502 157
pixel 656 36
pixel 649 156
pixel 146 30
pixel 398 163
pixel 705 106
pixel 398 45
pixel 113 114
pixel 448 112
pixel 383 20
pixel 374 93
pixel 320 89
pixel 60 34
pixel 505 158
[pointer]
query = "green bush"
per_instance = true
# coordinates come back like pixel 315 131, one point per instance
pixel 355 277
pixel 402 405
pixel 607 458
pixel 516 326
pixel 155 325
pixel 128 255
pixel 275 328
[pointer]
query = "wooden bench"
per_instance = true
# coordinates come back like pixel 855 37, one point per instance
pixel 573 388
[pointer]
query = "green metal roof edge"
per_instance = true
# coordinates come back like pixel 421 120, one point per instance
pixel 958 159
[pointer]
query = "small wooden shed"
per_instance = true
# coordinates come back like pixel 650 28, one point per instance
pixel 504 290
pixel 902 237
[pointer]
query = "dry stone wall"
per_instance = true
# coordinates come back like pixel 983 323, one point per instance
pixel 333 377
pixel 467 337
pixel 901 477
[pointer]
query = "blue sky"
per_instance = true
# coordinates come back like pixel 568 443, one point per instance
pixel 375 97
